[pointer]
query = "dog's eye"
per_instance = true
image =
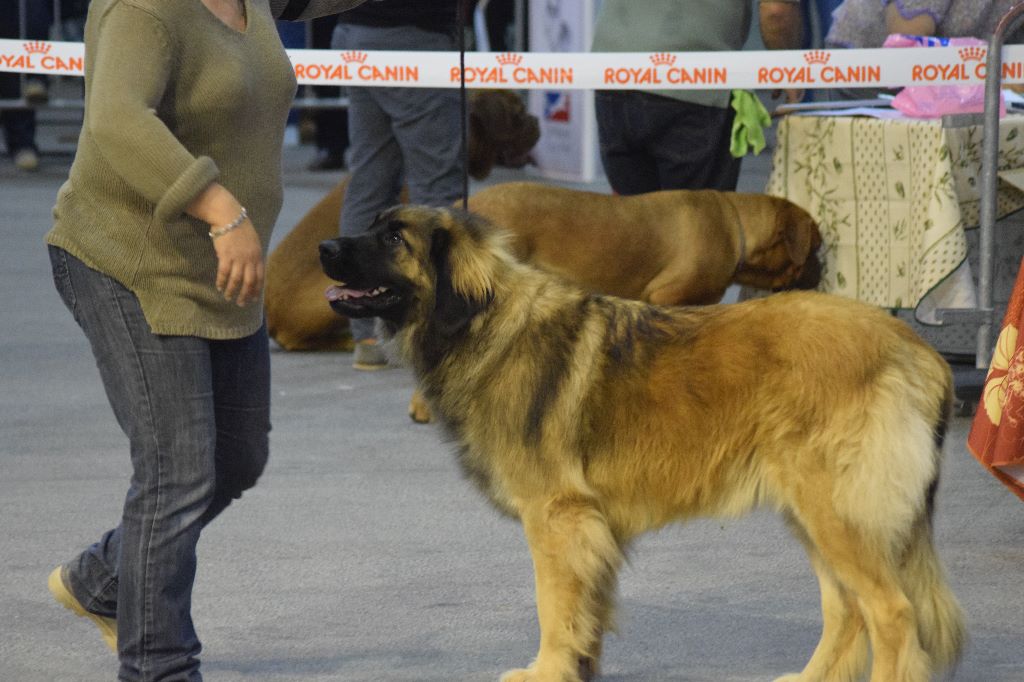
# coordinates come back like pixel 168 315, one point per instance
pixel 393 238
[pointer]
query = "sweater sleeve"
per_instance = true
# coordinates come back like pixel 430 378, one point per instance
pixel 294 10
pixel 131 71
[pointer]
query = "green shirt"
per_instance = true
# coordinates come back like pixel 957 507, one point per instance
pixel 174 99
pixel 675 26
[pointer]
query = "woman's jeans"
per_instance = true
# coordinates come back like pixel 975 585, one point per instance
pixel 197 416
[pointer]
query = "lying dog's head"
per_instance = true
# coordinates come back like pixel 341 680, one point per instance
pixel 417 267
pixel 501 131
pixel 784 255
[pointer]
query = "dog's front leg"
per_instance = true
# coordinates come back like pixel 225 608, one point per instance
pixel 576 561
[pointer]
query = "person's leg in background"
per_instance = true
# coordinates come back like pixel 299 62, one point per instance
pixel 650 143
pixel 628 167
pixel 38 22
pixel 690 143
pixel 331 123
pixel 19 123
pixel 196 413
pixel 375 183
pixel 426 123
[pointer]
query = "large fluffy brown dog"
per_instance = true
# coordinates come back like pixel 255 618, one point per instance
pixel 501 133
pixel 618 417
pixel 675 247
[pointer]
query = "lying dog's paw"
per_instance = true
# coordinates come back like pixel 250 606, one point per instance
pixel 419 411
pixel 520 675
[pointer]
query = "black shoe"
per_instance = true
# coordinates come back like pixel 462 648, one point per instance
pixel 325 161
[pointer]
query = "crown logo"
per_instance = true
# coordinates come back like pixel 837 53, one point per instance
pixel 663 59
pixel 817 57
pixel 37 47
pixel 353 56
pixel 509 59
pixel 974 53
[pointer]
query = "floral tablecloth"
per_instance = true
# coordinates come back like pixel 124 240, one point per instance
pixel 893 199
pixel 997 434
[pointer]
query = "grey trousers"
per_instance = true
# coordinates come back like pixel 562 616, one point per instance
pixel 398 135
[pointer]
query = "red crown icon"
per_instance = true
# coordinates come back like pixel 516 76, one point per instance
pixel 509 59
pixel 974 53
pixel 817 57
pixel 354 56
pixel 37 47
pixel 663 59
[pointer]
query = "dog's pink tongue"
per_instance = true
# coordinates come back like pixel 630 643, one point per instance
pixel 336 293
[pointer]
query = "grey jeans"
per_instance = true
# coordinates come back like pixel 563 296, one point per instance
pixel 398 135
pixel 197 416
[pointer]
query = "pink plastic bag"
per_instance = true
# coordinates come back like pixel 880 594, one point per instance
pixel 935 101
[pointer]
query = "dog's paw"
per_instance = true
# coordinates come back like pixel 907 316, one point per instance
pixel 533 674
pixel 791 677
pixel 419 410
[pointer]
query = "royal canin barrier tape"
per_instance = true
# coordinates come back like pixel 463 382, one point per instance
pixel 747 70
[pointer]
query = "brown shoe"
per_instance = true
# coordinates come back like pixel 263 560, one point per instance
pixel 368 356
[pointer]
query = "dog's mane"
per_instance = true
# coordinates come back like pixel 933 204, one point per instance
pixel 478 252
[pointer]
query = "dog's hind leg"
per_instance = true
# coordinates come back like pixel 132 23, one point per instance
pixel 841 655
pixel 576 560
pixel 864 567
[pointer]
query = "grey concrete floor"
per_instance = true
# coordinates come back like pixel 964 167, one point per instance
pixel 363 555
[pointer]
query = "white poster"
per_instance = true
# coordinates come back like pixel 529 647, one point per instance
pixel 568 142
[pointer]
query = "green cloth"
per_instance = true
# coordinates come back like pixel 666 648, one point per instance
pixel 174 99
pixel 675 26
pixel 749 124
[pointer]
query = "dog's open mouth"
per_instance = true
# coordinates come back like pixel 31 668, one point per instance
pixel 356 302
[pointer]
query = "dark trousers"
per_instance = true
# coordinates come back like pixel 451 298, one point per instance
pixel 331 123
pixel 650 143
pixel 20 124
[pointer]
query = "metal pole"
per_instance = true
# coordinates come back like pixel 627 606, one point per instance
pixel 989 178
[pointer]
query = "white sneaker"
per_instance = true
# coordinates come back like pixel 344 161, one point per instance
pixel 27 160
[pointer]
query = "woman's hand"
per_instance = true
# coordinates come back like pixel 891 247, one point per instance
pixel 240 268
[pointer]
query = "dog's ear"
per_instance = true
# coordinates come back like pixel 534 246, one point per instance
pixel 799 232
pixel 453 309
pixel 483 155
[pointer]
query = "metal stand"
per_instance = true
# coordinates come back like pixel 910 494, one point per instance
pixel 983 315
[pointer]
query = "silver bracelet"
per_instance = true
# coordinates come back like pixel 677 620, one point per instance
pixel 221 231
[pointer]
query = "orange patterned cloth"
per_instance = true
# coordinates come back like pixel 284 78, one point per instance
pixel 997 434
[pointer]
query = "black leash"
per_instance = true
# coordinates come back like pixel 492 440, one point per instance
pixel 463 108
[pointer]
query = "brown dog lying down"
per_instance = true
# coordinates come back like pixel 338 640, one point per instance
pixel 501 133
pixel 675 247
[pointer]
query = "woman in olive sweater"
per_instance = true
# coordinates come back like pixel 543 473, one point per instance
pixel 162 267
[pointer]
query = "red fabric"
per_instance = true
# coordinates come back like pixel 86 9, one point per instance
pixel 997 434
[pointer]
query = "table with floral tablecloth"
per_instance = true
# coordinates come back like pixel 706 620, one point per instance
pixel 893 199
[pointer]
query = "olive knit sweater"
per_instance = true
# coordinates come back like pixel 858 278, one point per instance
pixel 174 99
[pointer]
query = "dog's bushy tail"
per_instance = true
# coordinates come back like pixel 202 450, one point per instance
pixel 940 622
